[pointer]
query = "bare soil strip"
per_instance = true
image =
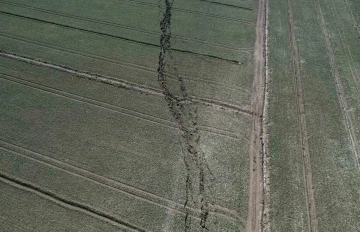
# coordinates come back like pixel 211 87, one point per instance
pixel 309 189
pixel 115 184
pixel 264 137
pixel 126 84
pixel 256 185
pixel 24 185
pixel 342 97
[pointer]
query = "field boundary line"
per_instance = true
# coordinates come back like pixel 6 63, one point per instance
pixel 340 89
pixel 265 217
pixel 256 185
pixel 127 27
pixel 309 189
pixel 141 43
pixel 126 84
pixel 119 109
pixel 115 184
pixel 122 63
pixel 59 200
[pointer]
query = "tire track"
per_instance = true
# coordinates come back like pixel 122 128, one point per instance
pixel 256 184
pixel 127 85
pixel 116 185
pixel 309 189
pixel 15 182
pixel 340 89
pixel 124 63
pixel 356 25
pixel 124 26
pixel 191 12
pixel 117 109
pixel 119 37
pixel 348 54
pixel 228 5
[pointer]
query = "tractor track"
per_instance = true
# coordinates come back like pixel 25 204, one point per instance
pixel 340 89
pixel 309 189
pixel 124 26
pixel 126 84
pixel 62 201
pixel 118 37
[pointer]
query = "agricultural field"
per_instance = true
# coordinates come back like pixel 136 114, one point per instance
pixel 179 115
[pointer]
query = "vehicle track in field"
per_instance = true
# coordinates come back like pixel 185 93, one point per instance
pixel 227 5
pixel 309 189
pixel 116 185
pixel 356 25
pixel 59 200
pixel 127 84
pixel 348 53
pixel 190 12
pixel 124 26
pixel 124 63
pixel 257 139
pixel 117 109
pixel 119 37
pixel 340 89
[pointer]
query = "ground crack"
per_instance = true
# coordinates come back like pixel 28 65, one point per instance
pixel 184 112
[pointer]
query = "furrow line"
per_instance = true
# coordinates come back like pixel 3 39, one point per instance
pixel 126 84
pixel 118 109
pixel 191 12
pixel 124 26
pixel 228 5
pixel 342 98
pixel 309 189
pixel 24 185
pixel 116 185
pixel 124 63
pixel 256 185
pixel 119 37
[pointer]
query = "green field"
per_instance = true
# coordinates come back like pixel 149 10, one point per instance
pixel 113 157
pixel 179 115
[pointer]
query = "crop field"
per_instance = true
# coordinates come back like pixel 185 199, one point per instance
pixel 314 61
pixel 180 115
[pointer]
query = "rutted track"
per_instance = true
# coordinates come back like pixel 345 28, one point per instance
pixel 118 37
pixel 8 179
pixel 114 108
pixel 115 184
pixel 309 189
pixel 126 84
pixel 342 97
pixel 124 26
pixel 123 63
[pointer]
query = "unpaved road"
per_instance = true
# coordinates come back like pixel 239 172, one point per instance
pixel 256 186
